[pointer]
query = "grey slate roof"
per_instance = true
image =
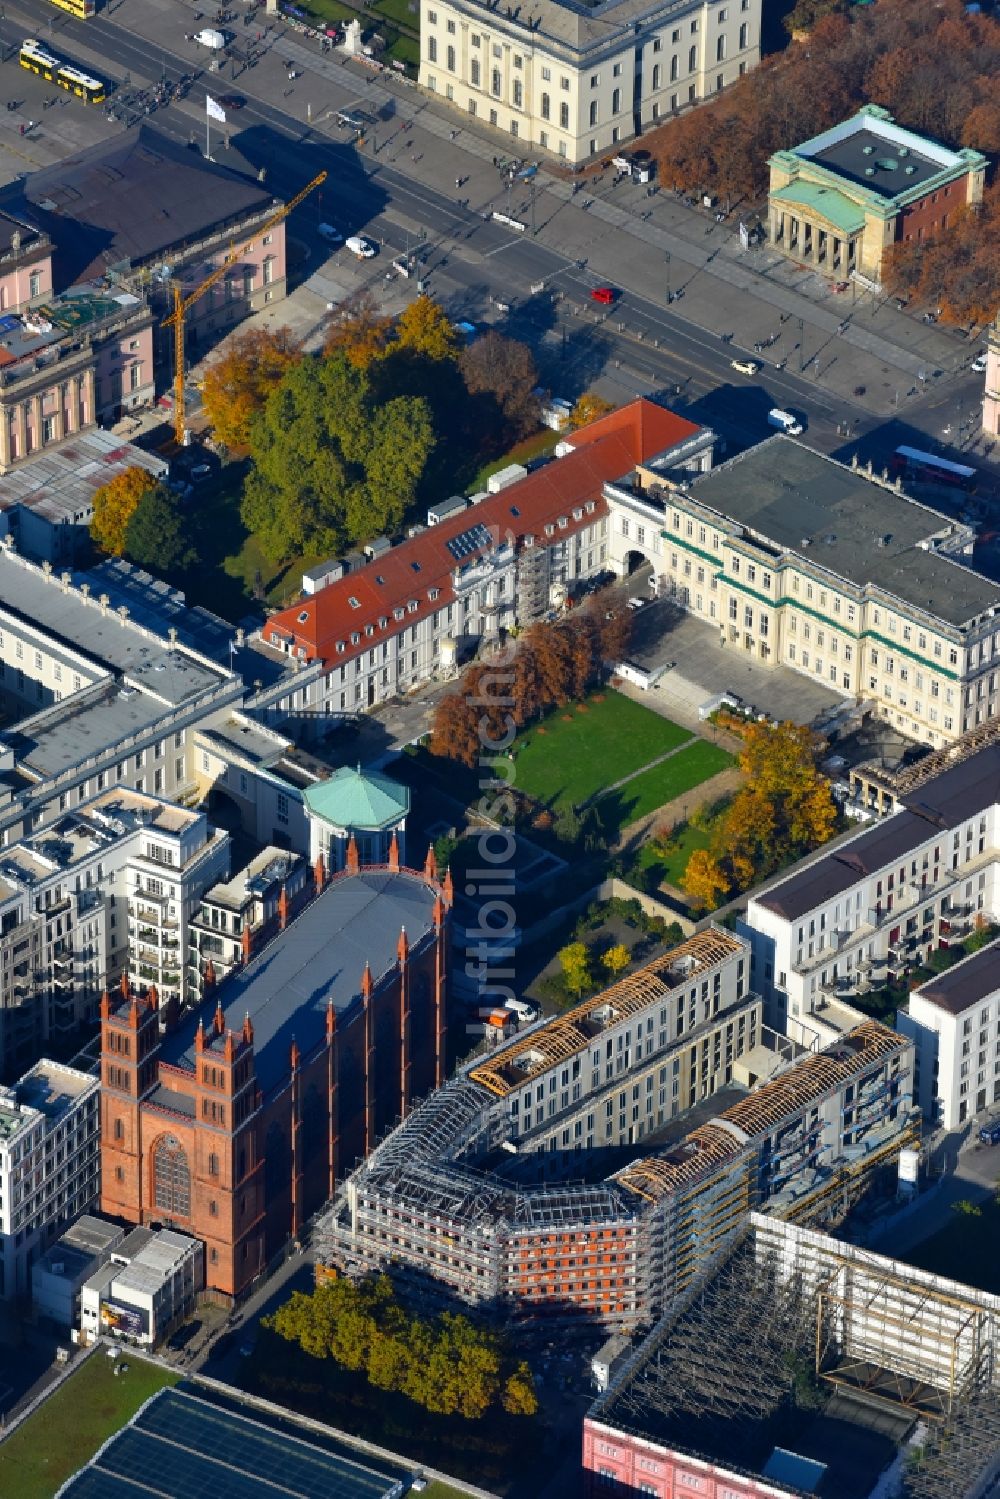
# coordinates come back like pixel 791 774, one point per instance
pixel 975 978
pixel 940 805
pixel 788 494
pixel 320 957
pixel 133 198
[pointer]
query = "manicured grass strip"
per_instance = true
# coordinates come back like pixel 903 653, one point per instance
pixel 682 772
pixel 437 1490
pixel 565 763
pixel 67 1429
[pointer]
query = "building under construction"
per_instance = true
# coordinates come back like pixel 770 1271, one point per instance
pixel 803 1365
pixel 447 1197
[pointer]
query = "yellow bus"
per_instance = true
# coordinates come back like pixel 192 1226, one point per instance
pixel 38 59
pixel 82 9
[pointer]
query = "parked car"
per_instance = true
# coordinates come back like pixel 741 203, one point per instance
pixel 990 1133
pixel 328 232
pixel 233 101
pixel 979 364
pixel 745 366
pixel 361 247
pixel 635 604
pixel 606 295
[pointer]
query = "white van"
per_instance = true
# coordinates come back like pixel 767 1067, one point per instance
pixel 209 37
pixel 784 421
pixel 523 1009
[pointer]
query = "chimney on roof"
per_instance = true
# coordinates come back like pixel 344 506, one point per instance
pixel 104 601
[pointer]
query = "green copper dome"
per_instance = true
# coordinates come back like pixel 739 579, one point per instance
pixel 361 799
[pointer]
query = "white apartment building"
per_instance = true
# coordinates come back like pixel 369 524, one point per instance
pixel 954 1022
pixel 623 1064
pixel 575 79
pixel 805 562
pixel 49 1164
pixel 107 887
pixel 236 915
pixel 173 858
pixel 877 903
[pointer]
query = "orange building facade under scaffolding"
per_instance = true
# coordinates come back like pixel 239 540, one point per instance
pixel 234 1122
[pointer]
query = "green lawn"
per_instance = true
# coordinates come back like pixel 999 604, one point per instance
pixel 404 13
pixel 437 1490
pixel 965 1249
pixel 682 772
pixel 538 445
pixel 66 1431
pixel 327 10
pixel 668 867
pixel 564 763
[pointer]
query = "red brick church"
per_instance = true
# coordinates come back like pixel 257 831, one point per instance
pixel 234 1122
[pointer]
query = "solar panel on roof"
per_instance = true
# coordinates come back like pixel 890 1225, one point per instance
pixel 467 542
pixel 182 1446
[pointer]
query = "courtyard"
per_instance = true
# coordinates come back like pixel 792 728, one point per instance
pixel 613 754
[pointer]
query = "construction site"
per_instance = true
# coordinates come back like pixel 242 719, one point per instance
pixel 821 1368
pixel 477 1202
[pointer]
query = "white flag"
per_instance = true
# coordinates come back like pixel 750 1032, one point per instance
pixel 214 109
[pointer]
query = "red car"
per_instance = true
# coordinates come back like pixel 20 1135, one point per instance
pixel 604 294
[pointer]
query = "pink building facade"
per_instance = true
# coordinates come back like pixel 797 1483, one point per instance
pixel 615 1462
pixel 991 397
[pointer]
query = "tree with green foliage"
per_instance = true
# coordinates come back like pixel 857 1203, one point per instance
pixel 114 505
pixel 446 1364
pixel 519 1398
pixel 331 465
pixel 574 960
pixel 157 536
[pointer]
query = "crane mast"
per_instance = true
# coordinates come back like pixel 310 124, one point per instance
pixel 182 304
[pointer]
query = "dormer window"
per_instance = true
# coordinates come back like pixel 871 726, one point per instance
pixel 589 507
pixel 275 638
pixel 369 629
pixel 550 529
pixel 301 653
pixel 382 622
pixel 354 603
pixel 415 566
pixel 413 606
pixel 398 613
pixel 563 522
pixel 433 593
pixel 340 647
pixel 355 638
pixel 578 514
pixel 529 540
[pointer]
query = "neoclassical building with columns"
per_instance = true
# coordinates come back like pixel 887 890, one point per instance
pixel 838 202
pixel 234 1123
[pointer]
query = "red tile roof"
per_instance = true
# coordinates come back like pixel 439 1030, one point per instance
pixel 651 429
pixel 409 574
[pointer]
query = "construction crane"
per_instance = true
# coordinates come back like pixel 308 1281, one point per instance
pixel 183 304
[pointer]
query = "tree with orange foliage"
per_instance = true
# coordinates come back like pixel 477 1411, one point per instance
pixel 114 505
pixel 238 383
pixel 705 880
pixel 589 407
pixel 357 329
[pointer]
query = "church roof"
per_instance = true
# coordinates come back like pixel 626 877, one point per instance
pixel 360 799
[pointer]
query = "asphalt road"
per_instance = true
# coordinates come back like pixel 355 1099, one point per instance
pixel 638 346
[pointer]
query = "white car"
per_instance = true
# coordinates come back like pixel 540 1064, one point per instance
pixel 333 235
pixel 979 364
pixel 361 247
pixel 635 604
pixel 745 366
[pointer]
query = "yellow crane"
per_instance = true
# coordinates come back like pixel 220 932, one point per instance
pixel 182 304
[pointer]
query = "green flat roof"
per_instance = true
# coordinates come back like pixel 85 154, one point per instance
pixel 826 202
pixel 356 798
